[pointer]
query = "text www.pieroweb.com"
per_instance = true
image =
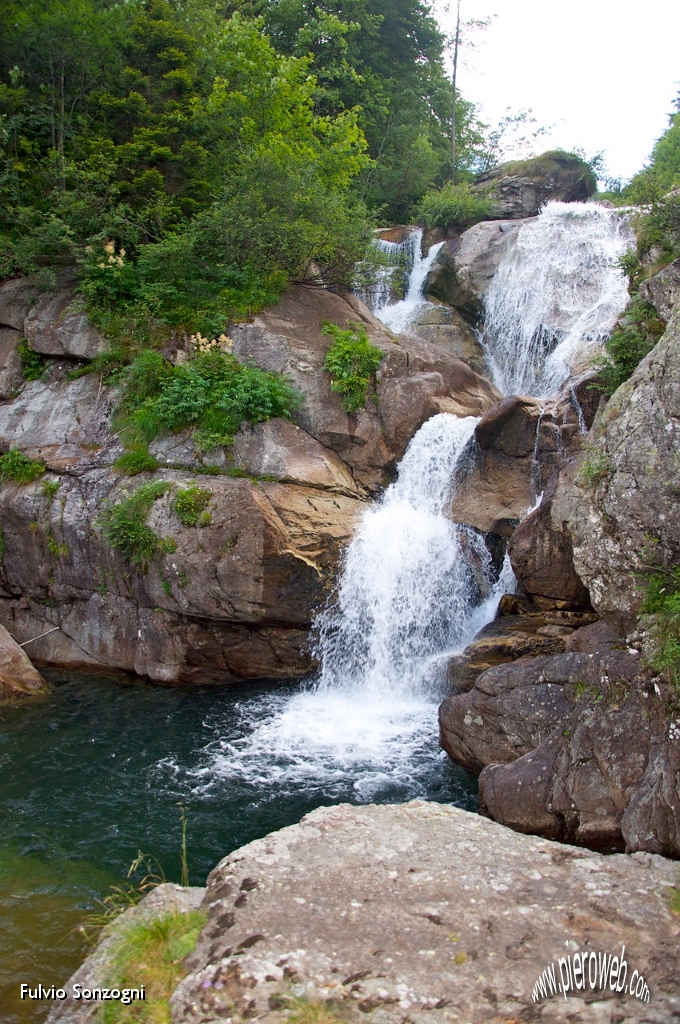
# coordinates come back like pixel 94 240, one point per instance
pixel 590 971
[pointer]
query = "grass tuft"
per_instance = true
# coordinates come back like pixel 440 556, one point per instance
pixel 17 468
pixel 124 526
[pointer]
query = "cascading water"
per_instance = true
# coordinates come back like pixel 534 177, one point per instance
pixel 557 288
pixel 399 315
pixel 414 589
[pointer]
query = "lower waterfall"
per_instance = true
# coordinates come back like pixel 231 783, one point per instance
pixel 415 588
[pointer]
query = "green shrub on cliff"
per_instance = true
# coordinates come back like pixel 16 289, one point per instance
pixel 212 393
pixel 455 205
pixel 124 526
pixel 191 503
pixel 351 361
pixel 17 468
pixel 634 337
pixel 662 600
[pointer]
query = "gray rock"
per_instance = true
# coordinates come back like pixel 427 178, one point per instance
pixel 521 188
pixel 56 327
pixel 11 375
pixel 16 298
pixel 625 513
pixel 18 678
pixel 96 969
pixel 445 327
pixel 465 266
pixel 428 913
pixel 663 289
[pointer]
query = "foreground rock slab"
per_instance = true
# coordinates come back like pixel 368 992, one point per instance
pixel 421 912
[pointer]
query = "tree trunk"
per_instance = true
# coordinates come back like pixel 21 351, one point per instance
pixel 453 90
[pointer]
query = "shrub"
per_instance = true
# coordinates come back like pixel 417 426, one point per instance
pixel 594 467
pixel 634 337
pixel 351 361
pixel 190 504
pixel 662 600
pixel 213 393
pixel 137 460
pixel 149 955
pixel 124 525
pixel 32 363
pixel 454 204
pixel 19 469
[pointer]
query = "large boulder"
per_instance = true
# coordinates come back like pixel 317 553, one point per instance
pixel 521 187
pixel 625 513
pixel 415 379
pixel 18 678
pixel 465 266
pixel 17 295
pixel 541 551
pixel 579 747
pixel 441 324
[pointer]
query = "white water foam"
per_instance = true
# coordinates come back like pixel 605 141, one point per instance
pixel 415 589
pixel 400 315
pixel 557 288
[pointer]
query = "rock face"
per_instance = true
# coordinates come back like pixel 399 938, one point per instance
pixel 541 551
pixel 521 188
pixel 578 747
pixel 663 289
pixel 464 267
pixel 18 678
pixel 56 327
pixel 445 327
pixel 625 509
pixel 425 911
pixel 236 599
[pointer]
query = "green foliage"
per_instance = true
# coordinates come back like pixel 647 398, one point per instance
pixel 455 205
pixel 213 393
pixel 595 466
pixel 149 955
pixel 32 363
pixel 19 469
pixel 351 361
pixel 554 164
pixel 662 600
pixel 190 504
pixel 49 488
pixel 634 337
pixel 137 460
pixel 124 525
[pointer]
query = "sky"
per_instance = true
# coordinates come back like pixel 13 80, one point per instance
pixel 601 74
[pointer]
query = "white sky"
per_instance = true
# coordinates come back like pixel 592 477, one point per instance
pixel 603 72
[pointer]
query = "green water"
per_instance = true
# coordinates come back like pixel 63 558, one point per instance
pixel 92 773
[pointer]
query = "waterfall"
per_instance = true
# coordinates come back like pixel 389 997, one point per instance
pixel 415 588
pixel 556 288
pixel 399 315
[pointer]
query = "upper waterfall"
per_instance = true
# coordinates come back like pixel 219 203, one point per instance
pixel 557 288
pixel 399 315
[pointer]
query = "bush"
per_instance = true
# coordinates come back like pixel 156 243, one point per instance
pixel 137 460
pixel 594 467
pixel 19 469
pixel 190 504
pixel 634 337
pixel 32 363
pixel 455 204
pixel 124 526
pixel 213 393
pixel 351 361
pixel 662 600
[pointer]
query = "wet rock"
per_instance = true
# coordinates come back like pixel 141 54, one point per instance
pixel 55 326
pixel 663 289
pixel 465 266
pixel 540 549
pixel 425 911
pixel 445 327
pixel 18 678
pixel 625 513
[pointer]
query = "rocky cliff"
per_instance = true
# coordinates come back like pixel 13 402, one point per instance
pixel 235 598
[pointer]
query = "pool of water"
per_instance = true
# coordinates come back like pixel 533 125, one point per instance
pixel 93 772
